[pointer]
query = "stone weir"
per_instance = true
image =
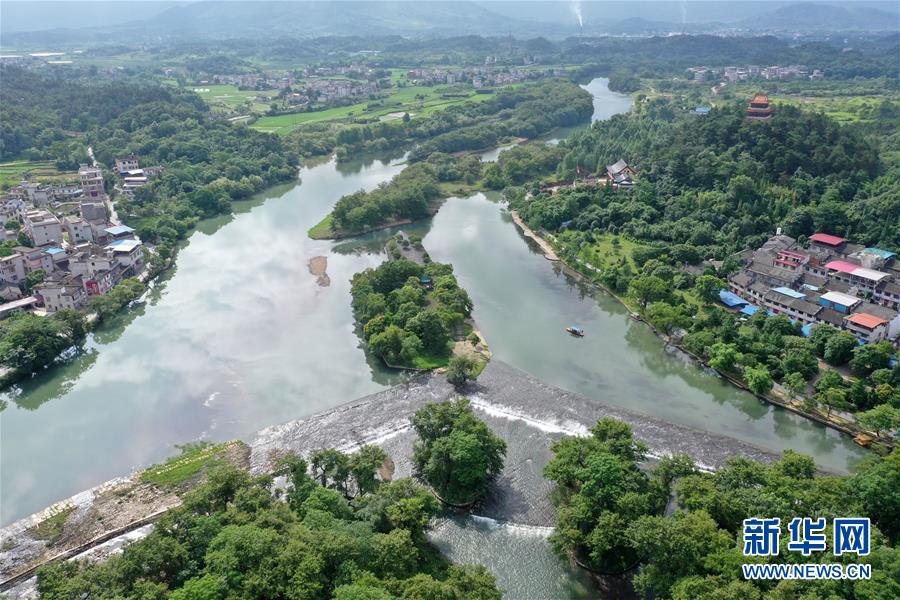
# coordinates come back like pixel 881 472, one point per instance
pixel 526 412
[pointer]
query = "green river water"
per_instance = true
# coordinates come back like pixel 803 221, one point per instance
pixel 240 336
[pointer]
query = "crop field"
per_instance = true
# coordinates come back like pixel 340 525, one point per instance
pixel 229 97
pixel 11 173
pixel 416 100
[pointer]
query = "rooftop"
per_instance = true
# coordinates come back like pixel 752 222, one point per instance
pixel 789 292
pixel 119 230
pixel 123 245
pixel 842 265
pixel 839 298
pixel 827 238
pixel 880 252
pixel 866 320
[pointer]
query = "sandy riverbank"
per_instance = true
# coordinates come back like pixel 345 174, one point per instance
pixel 549 252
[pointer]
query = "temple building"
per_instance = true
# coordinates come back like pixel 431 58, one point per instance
pixel 759 107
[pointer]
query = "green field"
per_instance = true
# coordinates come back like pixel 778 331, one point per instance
pixel 608 250
pixel 12 173
pixel 229 97
pixel 416 100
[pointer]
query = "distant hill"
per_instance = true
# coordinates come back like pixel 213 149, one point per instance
pixel 32 24
pixel 825 17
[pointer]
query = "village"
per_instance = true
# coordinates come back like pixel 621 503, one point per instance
pixel 733 74
pixel 64 242
pixel 831 281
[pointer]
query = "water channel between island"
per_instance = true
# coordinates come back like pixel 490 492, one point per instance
pixel 241 335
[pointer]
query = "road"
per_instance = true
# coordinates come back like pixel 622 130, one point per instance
pixel 113 215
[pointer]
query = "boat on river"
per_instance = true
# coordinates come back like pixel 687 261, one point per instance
pixel 576 331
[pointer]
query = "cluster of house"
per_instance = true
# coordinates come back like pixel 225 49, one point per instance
pixel 131 176
pixel 251 81
pixel 479 77
pixel 832 281
pixel 320 91
pixel 82 255
pixel 735 74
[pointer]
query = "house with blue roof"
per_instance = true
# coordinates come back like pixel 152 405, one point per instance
pixel 731 300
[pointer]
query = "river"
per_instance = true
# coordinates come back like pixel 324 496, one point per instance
pixel 240 336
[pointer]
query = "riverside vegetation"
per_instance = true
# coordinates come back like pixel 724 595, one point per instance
pixel 611 518
pixel 332 533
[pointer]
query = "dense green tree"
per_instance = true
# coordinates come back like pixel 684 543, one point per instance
pixel 461 369
pixel 882 418
pixel 648 288
pixel 457 454
pixel 758 379
pixel 839 348
pixel 723 357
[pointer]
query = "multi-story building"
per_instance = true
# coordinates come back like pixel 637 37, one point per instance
pixel 61 291
pixel 91 182
pixel 43 227
pixel 126 163
pixel 13 268
pixel 77 229
pixel 759 108
pixel 129 253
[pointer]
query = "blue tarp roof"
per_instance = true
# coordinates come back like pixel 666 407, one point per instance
pixel 789 292
pixel 731 300
pixel 702 110
pixel 749 310
pixel 54 250
pixel 806 329
pixel 880 252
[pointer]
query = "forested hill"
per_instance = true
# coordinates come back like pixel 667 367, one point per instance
pixel 36 110
pixel 706 152
pixel 722 182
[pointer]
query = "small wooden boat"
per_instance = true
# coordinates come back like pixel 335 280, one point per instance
pixel 576 331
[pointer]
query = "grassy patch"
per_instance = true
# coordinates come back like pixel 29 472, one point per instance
pixel 193 459
pixel 322 230
pixel 431 361
pixel 51 528
pixel 608 250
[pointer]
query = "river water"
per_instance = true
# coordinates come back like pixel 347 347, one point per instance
pixel 240 336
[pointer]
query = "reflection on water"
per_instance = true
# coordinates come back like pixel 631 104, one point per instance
pixel 238 337
pixel 523 304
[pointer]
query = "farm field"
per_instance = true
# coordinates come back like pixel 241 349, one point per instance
pixel 416 100
pixel 229 97
pixel 11 173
